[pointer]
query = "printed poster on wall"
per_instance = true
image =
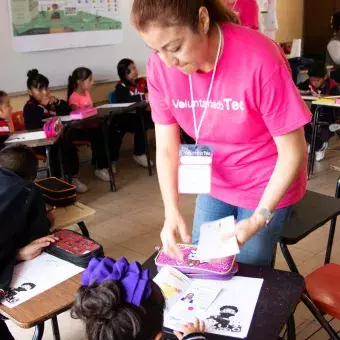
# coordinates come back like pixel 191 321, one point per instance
pixel 40 25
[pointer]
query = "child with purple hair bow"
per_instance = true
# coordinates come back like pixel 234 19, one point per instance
pixel 119 301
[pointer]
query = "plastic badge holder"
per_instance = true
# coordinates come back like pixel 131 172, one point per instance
pixel 84 113
pixel 75 248
pixel 191 266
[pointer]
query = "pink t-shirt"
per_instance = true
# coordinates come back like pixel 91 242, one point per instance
pixel 253 100
pixel 81 101
pixel 248 11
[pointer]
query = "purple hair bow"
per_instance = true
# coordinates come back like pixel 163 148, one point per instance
pixel 135 281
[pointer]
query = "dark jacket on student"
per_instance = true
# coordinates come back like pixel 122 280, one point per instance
pixel 23 220
pixel 131 93
pixel 4 132
pixel 34 112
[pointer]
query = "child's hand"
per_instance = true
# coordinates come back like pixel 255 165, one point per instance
pixel 53 100
pixel 197 327
pixel 35 248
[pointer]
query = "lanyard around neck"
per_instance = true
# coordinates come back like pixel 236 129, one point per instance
pixel 198 128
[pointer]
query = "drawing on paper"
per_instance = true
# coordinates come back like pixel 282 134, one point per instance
pixel 14 294
pixel 225 321
pixel 37 17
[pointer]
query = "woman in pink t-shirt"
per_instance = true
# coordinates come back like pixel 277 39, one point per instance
pixel 248 12
pixel 230 88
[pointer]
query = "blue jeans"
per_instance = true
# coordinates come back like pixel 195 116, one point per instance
pixel 260 249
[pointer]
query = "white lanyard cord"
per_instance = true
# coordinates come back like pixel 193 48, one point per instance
pixel 198 128
pixel 234 4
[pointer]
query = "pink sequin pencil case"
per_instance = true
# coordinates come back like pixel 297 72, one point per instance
pixel 84 113
pixel 191 266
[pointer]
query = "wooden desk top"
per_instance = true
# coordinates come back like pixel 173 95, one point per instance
pixel 72 214
pixel 325 104
pixel 34 143
pixel 45 305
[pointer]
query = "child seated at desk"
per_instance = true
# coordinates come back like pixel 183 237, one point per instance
pixel 119 301
pixel 5 116
pixel 79 97
pixel 320 84
pixel 42 105
pixel 24 223
pixel 132 89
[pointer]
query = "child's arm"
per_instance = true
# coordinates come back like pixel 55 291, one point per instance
pixel 33 116
pixel 35 248
pixel 124 96
pixel 62 108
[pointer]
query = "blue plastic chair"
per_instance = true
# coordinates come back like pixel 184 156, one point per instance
pixel 112 99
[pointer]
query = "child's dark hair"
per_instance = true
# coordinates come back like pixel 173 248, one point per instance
pixel 36 80
pixel 123 70
pixel 21 160
pixel 336 22
pixel 79 74
pixel 318 70
pixel 3 94
pixel 108 317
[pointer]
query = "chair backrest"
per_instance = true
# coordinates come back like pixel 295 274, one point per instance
pixel 17 121
pixel 112 97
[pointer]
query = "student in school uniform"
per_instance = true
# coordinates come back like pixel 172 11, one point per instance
pixel 320 84
pixel 5 116
pixel 24 223
pixel 42 105
pixel 131 89
pixel 79 97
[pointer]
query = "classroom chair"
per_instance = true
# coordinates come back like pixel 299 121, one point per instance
pixel 17 122
pixel 112 98
pixel 322 294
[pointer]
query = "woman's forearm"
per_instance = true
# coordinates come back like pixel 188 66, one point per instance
pixel 167 169
pixel 292 152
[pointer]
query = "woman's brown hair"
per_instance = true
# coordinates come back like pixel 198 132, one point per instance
pixel 167 13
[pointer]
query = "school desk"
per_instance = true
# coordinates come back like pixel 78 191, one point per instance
pixel 316 123
pixel 106 114
pixel 45 142
pixel 45 306
pixel 280 293
pixel 73 214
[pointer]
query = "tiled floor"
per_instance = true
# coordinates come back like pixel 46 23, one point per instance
pixel 128 223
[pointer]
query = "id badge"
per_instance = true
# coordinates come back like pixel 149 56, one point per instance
pixel 195 166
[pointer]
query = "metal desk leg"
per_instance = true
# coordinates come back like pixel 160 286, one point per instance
pixel 288 258
pixel 323 322
pixel 61 162
pixel 39 332
pixel 311 159
pixel 55 328
pixel 291 332
pixel 147 151
pixel 83 229
pixel 105 127
pixel 48 159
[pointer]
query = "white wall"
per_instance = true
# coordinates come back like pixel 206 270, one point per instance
pixel 58 65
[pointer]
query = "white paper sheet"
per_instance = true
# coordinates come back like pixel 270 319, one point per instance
pixel 25 137
pixel 31 278
pixel 231 313
pixel 213 243
pixel 110 106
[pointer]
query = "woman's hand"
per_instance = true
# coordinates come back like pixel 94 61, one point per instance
pixel 197 327
pixel 35 248
pixel 174 226
pixel 247 228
